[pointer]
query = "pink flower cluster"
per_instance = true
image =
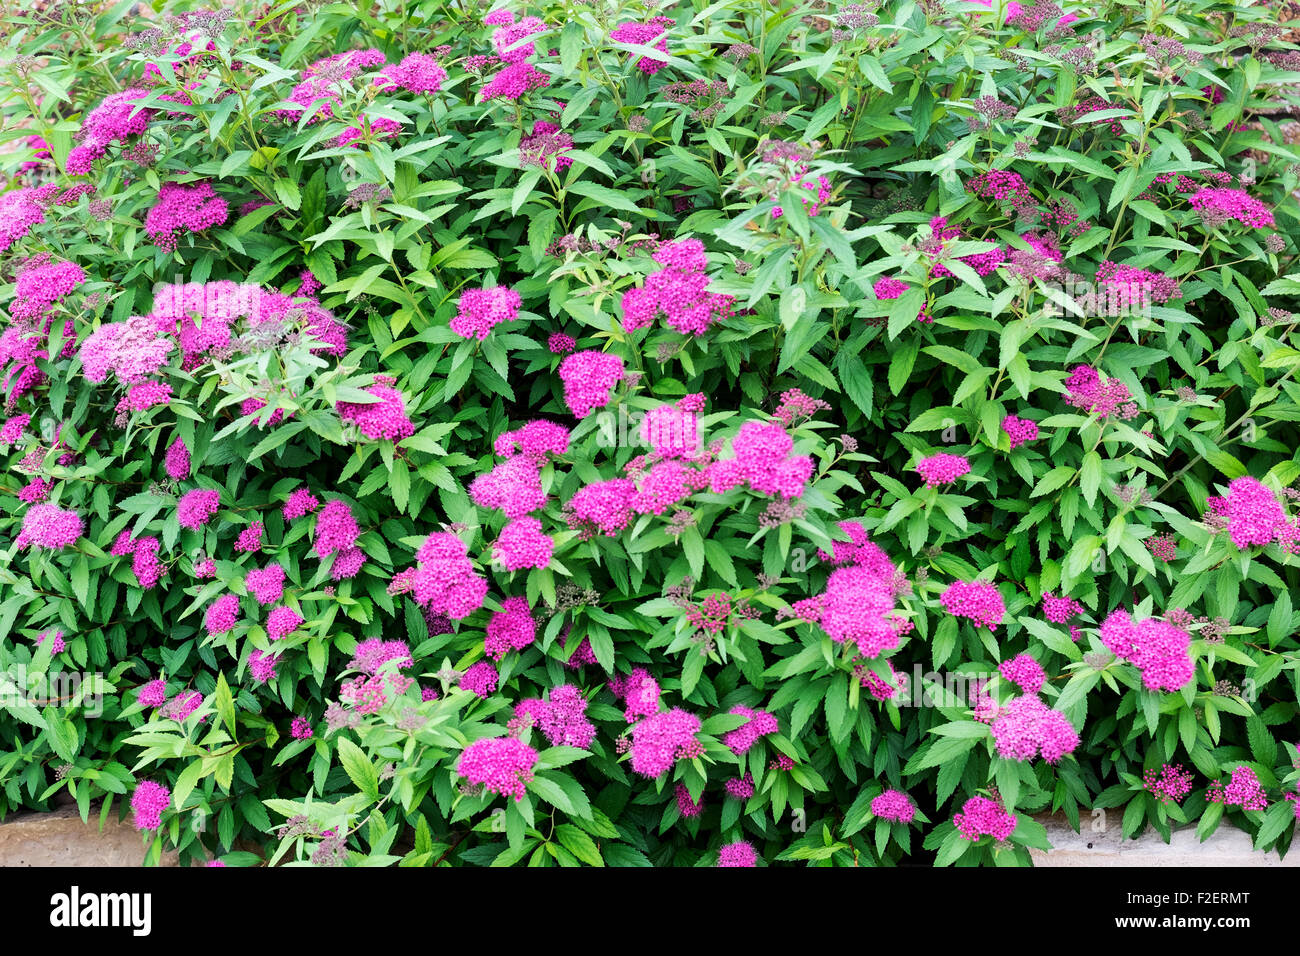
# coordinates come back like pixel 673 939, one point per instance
pixel 894 805
pixel 480 679
pixel 604 506
pixel 501 764
pixel 643 34
pixel 282 622
pixel 149 801
pixel 1026 726
pixel 1254 514
pixel 1019 430
pixel 152 694
pixel 804 183
pixel 195 508
pixel 663 738
pixel 222 615
pixel 1243 790
pixel 262 666
pixel 506 39
pixel 182 208
pixel 19 211
pixel 588 378
pixel 535 440
pixel 562 719
pixel 1089 393
pixel 687 807
pixel 336 529
pixel 670 431
pixel 1160 650
pixel 545 141
pixel 1131 288
pixel 49 526
pixel 1233 204
pixel 678 292
pixel 942 469
pixel 740 853
pixel 742 788
pixel 417 73
pixel 385 418
pixel 760 724
pixel 1058 610
pixel 300 502
pixel 479 310
pixel 1169 784
pixel 513 82
pixel 443 580
pixel 514 486
pixel 859 597
pixel 639 692
pixel 978 600
pixel 266 584
pixel 323 83
pixel 763 460
pixel 980 816
pixel 177 460
pixel 1025 672
pixel 510 629
pixel 112 121
pixel 522 544
pixel 372 653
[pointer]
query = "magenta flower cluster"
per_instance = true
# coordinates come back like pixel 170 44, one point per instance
pixel 148 802
pixel 1159 650
pixel 980 816
pixel 678 292
pixel 978 600
pixel 480 310
pixel 663 738
pixel 500 764
pixel 562 719
pixel 762 459
pixel 1026 727
pixel 942 469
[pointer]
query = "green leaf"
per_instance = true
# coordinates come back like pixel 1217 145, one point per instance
pixel 359 768
pixel 579 844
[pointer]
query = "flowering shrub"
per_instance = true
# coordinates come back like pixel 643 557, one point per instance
pixel 609 435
